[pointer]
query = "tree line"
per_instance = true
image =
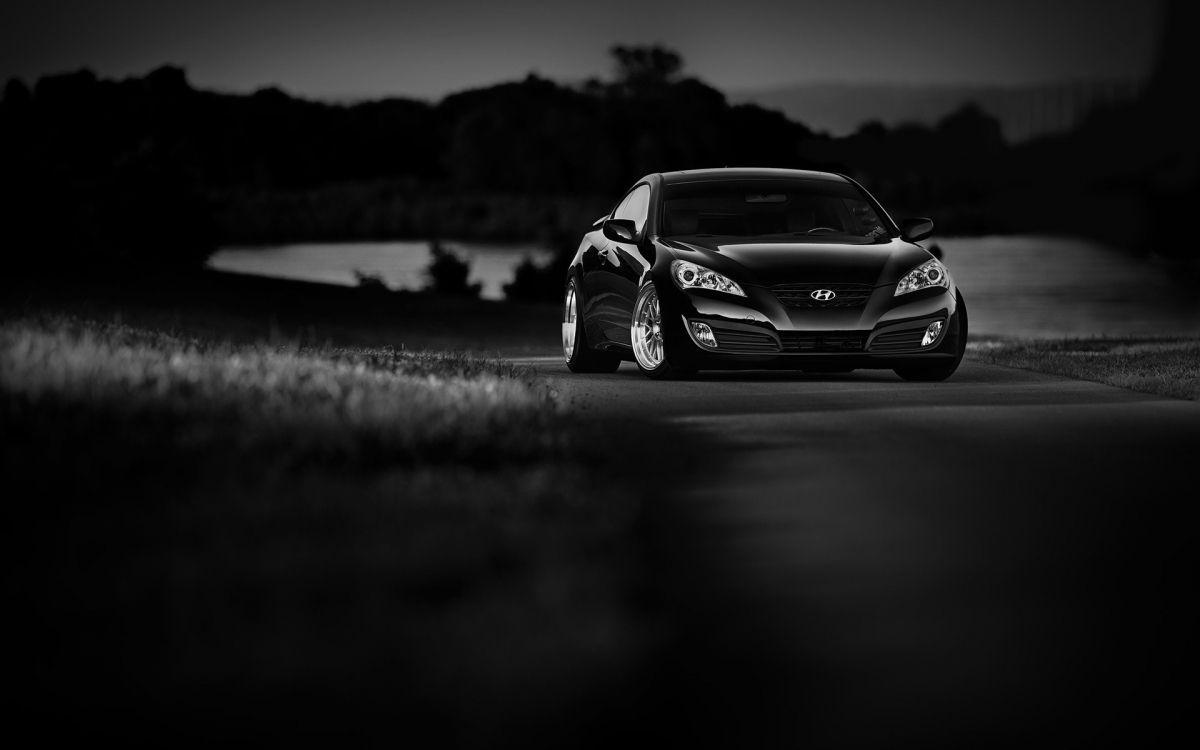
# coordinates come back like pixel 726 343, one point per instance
pixel 153 170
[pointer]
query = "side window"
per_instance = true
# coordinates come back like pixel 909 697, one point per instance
pixel 635 206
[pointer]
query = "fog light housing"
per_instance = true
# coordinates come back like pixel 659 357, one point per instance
pixel 931 333
pixel 703 335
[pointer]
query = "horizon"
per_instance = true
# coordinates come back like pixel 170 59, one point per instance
pixel 350 100
pixel 376 50
pixel 838 109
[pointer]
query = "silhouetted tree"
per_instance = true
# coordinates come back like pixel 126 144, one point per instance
pixel 531 136
pixel 639 68
pixel 448 273
pixel 16 93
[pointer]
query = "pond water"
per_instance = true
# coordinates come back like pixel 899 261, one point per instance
pixel 1045 287
pixel 1052 287
pixel 399 265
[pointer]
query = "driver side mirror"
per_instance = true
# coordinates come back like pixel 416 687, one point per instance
pixel 620 230
pixel 915 230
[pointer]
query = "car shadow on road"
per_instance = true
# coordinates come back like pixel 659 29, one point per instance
pixel 771 376
pixel 967 374
pixel 777 391
pixel 799 376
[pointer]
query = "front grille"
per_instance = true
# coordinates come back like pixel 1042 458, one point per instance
pixel 800 295
pixel 743 341
pixel 825 342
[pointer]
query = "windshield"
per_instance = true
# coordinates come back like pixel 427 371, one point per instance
pixel 804 208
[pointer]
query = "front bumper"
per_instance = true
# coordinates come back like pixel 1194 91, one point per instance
pixel 759 331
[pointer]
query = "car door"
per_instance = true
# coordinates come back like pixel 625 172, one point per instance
pixel 619 267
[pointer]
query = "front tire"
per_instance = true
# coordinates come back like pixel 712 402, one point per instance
pixel 935 373
pixel 578 355
pixel 647 335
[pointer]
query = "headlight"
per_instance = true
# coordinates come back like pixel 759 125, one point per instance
pixel 691 276
pixel 930 273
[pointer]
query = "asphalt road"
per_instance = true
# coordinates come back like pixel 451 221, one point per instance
pixel 1006 558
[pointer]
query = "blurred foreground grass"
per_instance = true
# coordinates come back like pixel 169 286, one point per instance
pixel 327 539
pixel 1167 367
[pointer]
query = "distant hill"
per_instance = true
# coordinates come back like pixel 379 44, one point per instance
pixel 1024 112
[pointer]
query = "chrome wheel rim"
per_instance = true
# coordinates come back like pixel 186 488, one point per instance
pixel 568 322
pixel 647 332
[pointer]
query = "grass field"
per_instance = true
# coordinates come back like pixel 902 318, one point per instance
pixel 303 534
pixel 1165 367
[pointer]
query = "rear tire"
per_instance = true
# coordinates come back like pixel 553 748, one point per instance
pixel 935 373
pixel 646 333
pixel 579 356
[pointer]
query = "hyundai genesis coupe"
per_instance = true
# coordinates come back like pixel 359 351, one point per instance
pixel 759 269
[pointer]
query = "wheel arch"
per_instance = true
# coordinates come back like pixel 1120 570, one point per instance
pixel 575 274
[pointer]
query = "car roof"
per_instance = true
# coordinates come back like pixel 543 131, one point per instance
pixel 746 173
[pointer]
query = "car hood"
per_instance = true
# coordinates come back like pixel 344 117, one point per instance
pixel 770 262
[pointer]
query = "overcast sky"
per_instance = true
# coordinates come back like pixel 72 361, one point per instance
pixel 365 48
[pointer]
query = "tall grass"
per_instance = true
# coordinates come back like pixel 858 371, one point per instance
pixel 1165 367
pixel 242 535
pixel 290 404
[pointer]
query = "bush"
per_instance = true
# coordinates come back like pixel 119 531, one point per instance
pixel 448 273
pixel 534 283
pixel 544 283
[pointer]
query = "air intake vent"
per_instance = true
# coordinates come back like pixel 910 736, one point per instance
pixel 900 341
pixel 742 341
pixel 822 342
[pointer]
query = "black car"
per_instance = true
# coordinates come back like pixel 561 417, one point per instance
pixel 756 269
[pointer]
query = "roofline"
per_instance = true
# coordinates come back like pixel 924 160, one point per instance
pixel 746 173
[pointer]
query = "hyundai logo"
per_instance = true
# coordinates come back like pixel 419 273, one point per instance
pixel 822 295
